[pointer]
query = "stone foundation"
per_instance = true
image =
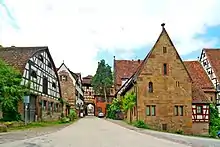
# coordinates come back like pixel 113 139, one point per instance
pixel 200 128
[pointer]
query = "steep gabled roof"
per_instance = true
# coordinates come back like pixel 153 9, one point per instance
pixel 19 56
pixel 213 55
pixel 125 69
pixel 199 76
pixel 138 71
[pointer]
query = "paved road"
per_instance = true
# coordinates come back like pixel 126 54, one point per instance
pixel 94 132
pixel 188 140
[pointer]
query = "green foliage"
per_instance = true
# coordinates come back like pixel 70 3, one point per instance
pixel 129 101
pixel 72 116
pixel 11 92
pixel 64 120
pixel 141 124
pixel 179 132
pixel 103 79
pixel 113 108
pixel 214 120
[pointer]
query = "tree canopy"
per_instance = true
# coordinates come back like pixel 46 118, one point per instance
pixel 11 91
pixel 103 79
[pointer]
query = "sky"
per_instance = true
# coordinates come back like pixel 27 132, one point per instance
pixel 82 32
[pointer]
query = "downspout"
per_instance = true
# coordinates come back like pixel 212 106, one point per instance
pixel 135 88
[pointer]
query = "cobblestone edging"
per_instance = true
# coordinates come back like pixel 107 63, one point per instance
pixel 182 139
pixel 29 133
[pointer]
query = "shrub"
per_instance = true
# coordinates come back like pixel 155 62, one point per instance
pixel 3 128
pixel 179 132
pixel 72 115
pixel 64 120
pixel 141 124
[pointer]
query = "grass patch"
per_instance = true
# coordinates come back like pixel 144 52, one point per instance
pixel 38 125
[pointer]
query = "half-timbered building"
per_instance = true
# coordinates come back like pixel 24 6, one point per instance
pixel 203 93
pixel 39 73
pixel 71 88
pixel 210 60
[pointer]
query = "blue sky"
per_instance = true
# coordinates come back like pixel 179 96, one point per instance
pixel 82 32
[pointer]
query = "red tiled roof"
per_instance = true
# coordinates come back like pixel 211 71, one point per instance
pixel 198 96
pixel 198 75
pixel 213 56
pixel 125 69
pixel 87 79
pixel 18 56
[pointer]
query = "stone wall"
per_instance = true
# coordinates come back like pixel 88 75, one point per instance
pixel 200 128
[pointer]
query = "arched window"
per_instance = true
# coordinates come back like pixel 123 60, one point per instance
pixel 150 87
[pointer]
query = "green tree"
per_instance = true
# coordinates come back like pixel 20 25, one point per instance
pixel 214 120
pixel 103 79
pixel 128 102
pixel 11 91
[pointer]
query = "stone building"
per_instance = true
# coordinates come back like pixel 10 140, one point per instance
pixel 166 93
pixel 38 69
pixel 71 88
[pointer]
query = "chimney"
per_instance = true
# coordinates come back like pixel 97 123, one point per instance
pixel 139 60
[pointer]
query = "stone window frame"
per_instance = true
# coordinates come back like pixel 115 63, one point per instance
pixel 149 109
pixel 165 69
pixel 164 49
pixel 150 87
pixel 178 110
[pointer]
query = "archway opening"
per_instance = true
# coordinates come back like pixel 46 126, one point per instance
pixel 90 109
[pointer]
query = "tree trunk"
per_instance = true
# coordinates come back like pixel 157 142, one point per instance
pixel 105 94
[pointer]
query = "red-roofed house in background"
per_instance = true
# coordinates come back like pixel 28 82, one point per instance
pixel 123 70
pixel 37 67
pixel 210 60
pixel 167 93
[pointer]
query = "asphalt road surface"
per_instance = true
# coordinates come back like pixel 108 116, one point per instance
pixel 94 132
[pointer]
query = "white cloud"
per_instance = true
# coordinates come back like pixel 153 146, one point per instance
pixel 75 30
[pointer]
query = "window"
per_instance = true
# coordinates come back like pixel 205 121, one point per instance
pixel 44 104
pixel 150 87
pixel 33 74
pixel 45 85
pixel 199 109
pixel 177 83
pixel 148 111
pixel 40 57
pixel 54 85
pixel 165 69
pixel 164 127
pixel 151 110
pixel 211 98
pixel 176 110
pixel 181 110
pixel 49 64
pixel 63 78
pixel 164 50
